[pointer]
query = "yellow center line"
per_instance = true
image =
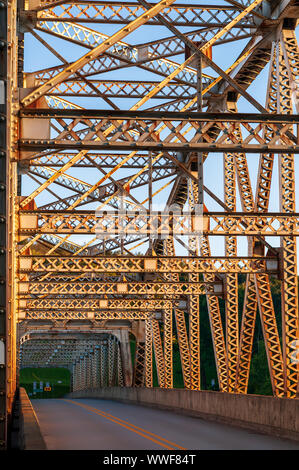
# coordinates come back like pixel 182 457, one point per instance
pixel 131 427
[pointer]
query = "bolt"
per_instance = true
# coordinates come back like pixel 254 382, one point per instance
pixel 2 187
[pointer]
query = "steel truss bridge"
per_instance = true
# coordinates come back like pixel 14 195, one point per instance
pixel 106 109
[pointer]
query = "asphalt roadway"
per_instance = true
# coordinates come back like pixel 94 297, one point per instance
pixel 94 424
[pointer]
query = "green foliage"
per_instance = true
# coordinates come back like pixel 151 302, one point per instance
pixel 178 381
pixel 132 349
pixel 259 380
pixel 29 375
pixel 208 366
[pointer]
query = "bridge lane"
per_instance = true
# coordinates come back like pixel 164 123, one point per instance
pixel 93 424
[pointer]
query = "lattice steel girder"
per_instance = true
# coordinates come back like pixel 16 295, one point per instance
pixel 140 288
pixel 122 89
pixel 106 160
pixel 139 366
pixel 218 337
pixel 242 346
pixel 231 304
pixel 158 350
pixel 57 350
pixel 286 97
pixel 46 360
pixel 175 127
pixel 133 223
pixel 194 342
pixel 151 56
pixel 183 345
pixel 122 13
pixel 73 32
pixel 97 51
pixel 255 62
pixel 290 312
pixel 168 348
pixel 140 355
pixel 76 314
pixel 270 332
pixel 148 354
pixel 291 55
pixel 99 304
pixel 246 336
pixel 184 264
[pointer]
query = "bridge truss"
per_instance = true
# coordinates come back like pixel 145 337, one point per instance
pixel 110 110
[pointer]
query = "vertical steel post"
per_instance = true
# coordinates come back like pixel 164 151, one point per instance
pixel 194 334
pixel 232 321
pixel 168 348
pixel 148 353
pixel 289 291
pixel 3 215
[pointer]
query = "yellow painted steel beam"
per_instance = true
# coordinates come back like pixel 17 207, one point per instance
pixel 97 304
pixel 148 354
pixel 183 346
pixel 231 301
pixel 250 299
pixel 290 305
pixel 74 286
pixel 48 314
pixel 140 222
pixel 159 355
pixel 146 264
pixel 168 348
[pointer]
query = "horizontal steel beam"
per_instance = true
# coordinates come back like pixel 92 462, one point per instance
pixel 73 314
pixel 38 145
pixel 108 223
pixel 95 304
pixel 164 131
pixel 160 116
pixel 28 288
pixel 176 264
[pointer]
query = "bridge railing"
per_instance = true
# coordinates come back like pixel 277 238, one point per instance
pixel 269 415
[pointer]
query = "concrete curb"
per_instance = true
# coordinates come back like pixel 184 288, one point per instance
pixel 267 415
pixel 30 434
